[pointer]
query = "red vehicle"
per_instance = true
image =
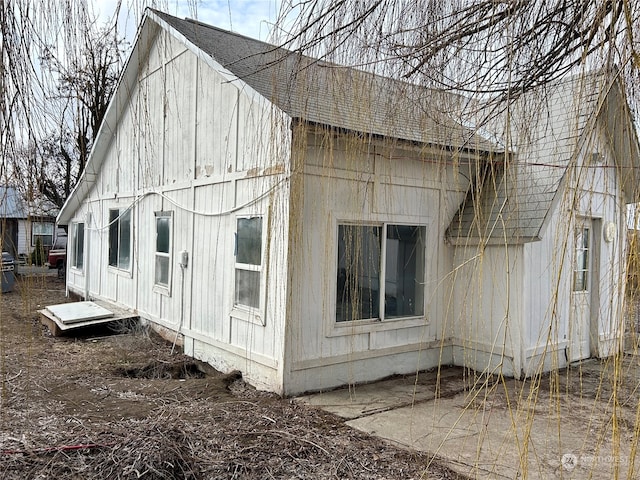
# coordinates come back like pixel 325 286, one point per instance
pixel 58 254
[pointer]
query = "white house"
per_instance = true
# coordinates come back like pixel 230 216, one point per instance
pixel 313 225
pixel 23 222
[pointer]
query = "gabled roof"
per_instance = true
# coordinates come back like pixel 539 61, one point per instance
pixel 331 94
pixel 304 88
pixel 549 131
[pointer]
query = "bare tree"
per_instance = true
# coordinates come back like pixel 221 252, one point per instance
pixel 59 70
pixel 85 86
pixel 498 49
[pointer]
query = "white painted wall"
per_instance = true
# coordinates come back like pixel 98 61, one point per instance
pixel 531 284
pixel 24 235
pixel 548 294
pixel 177 148
pixel 488 308
pixel 342 182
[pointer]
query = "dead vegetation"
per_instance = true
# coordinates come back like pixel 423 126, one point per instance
pixel 121 406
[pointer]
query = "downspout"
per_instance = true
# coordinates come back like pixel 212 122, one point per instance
pixel 184 262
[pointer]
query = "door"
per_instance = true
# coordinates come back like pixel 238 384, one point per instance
pixel 581 286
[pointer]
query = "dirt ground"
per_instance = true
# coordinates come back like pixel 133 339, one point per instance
pixel 120 405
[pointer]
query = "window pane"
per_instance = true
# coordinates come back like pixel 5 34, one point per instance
pixel 358 282
pixel 581 262
pixel 124 249
pixel 404 270
pixel 249 241
pixel 45 240
pixel 581 259
pixel 113 238
pixel 162 270
pixel 78 245
pixel 585 238
pixel 42 228
pixel 248 288
pixel 162 234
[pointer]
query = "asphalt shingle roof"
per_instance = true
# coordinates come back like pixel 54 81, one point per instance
pixel 547 131
pixel 334 95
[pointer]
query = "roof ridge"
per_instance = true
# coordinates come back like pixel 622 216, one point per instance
pixel 321 62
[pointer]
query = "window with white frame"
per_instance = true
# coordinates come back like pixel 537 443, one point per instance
pixel 42 231
pixel 120 244
pixel 248 266
pixel 380 274
pixel 581 262
pixel 77 245
pixel 163 249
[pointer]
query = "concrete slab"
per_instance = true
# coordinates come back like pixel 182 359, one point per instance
pixel 79 312
pixel 509 429
pixel 366 399
pixel 103 312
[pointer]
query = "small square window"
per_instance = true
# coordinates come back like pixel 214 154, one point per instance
pixel 42 231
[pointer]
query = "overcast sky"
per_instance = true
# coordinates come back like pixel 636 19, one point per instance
pixel 253 18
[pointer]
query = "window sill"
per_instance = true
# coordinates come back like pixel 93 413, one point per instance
pixel 76 270
pixel 120 271
pixel 162 290
pixel 340 329
pixel 247 314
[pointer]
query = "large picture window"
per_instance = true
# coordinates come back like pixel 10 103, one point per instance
pixel 120 252
pixel 77 245
pixel 248 267
pixel 380 272
pixel 163 249
pixel 42 231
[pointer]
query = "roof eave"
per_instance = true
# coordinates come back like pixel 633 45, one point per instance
pixel 491 241
pixel 466 149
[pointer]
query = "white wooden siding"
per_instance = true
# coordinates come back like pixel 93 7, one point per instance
pixel 488 307
pixel 177 148
pixel 340 184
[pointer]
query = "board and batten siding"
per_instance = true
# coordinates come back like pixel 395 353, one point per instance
pixel 595 197
pixel 207 150
pixel 521 278
pixel 488 308
pixel 341 183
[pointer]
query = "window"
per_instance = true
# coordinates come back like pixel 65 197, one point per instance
pixel 380 272
pixel 42 231
pixel 163 249
pixel 120 238
pixel 248 262
pixel 77 245
pixel 581 265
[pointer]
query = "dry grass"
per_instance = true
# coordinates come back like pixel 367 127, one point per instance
pixel 71 410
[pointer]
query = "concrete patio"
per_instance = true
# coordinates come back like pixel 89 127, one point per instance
pixel 503 428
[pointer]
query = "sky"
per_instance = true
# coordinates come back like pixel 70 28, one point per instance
pixel 253 18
